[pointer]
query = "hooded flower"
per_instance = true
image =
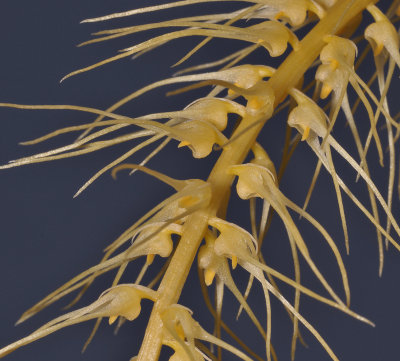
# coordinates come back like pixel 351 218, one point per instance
pixel 122 300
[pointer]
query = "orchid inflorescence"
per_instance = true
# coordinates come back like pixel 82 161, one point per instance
pixel 192 222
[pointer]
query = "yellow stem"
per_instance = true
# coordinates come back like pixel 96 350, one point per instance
pixel 286 77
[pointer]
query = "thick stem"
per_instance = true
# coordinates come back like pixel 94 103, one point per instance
pixel 286 77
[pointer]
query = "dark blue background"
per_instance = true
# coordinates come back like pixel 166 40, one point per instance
pixel 47 237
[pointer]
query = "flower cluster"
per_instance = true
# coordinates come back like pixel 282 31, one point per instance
pixel 192 223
